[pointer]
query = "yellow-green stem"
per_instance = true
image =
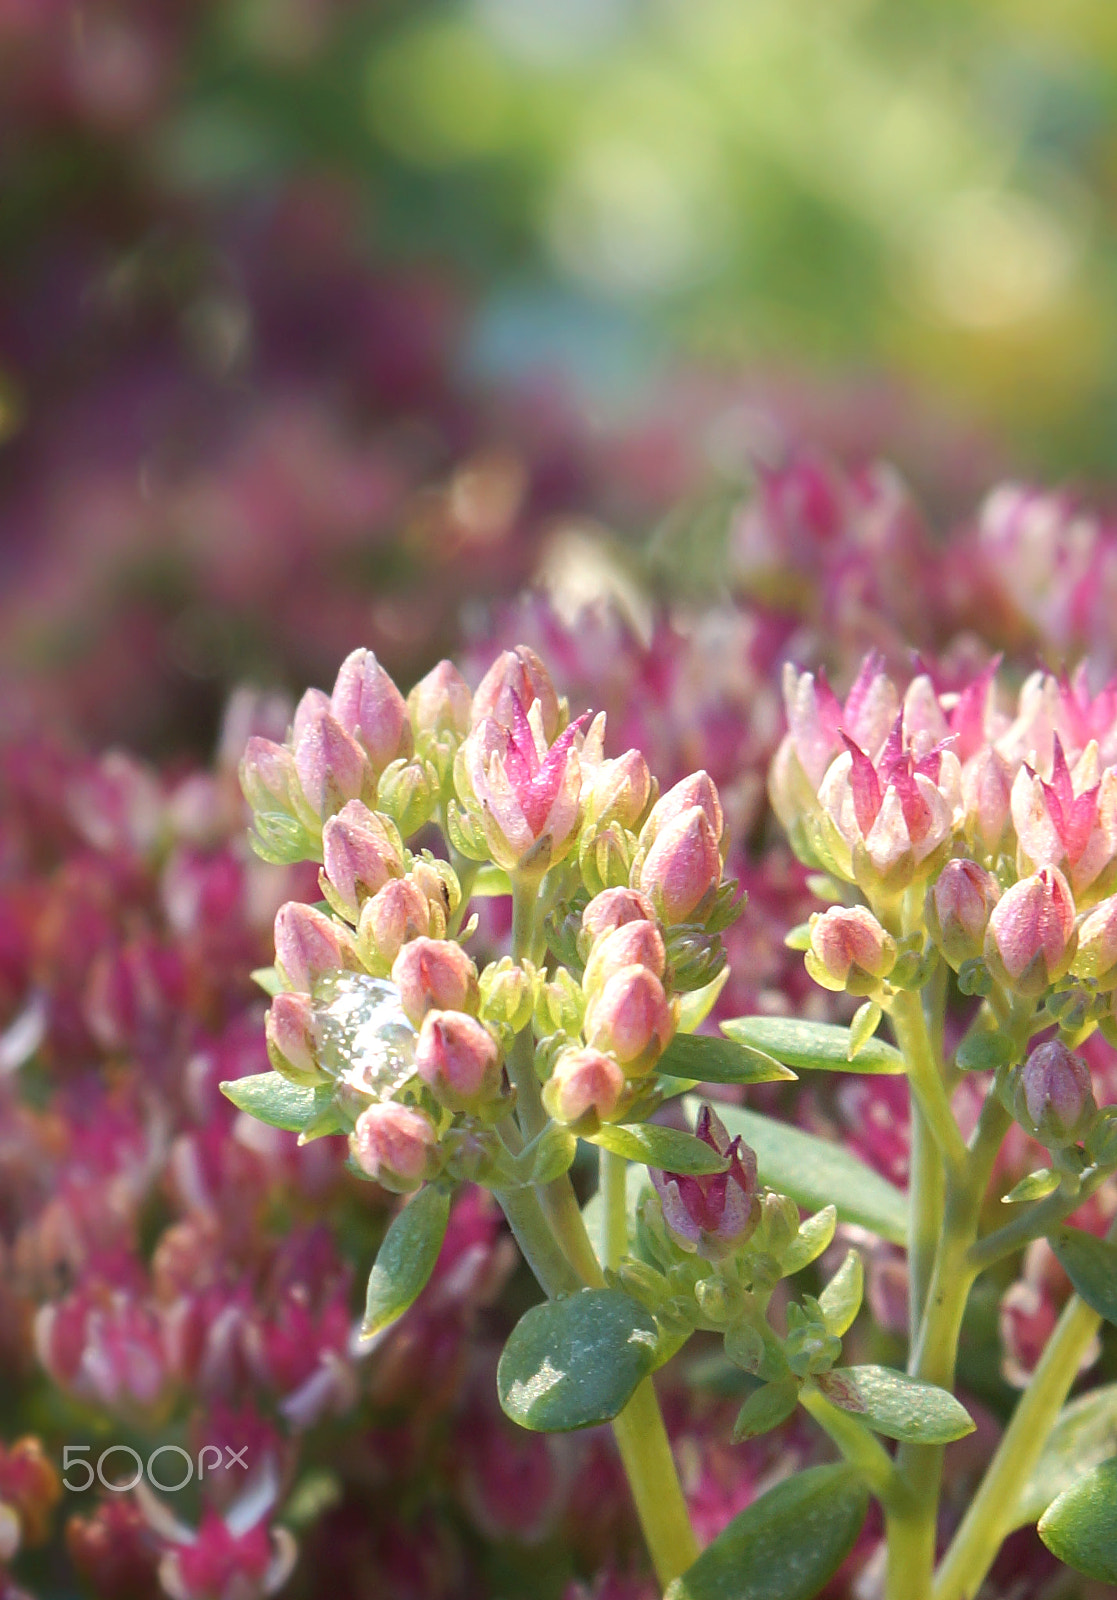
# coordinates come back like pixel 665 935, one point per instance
pixel 654 1480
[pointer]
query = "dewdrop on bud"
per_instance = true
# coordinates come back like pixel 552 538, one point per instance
pixel 368 706
pixel 396 913
pixel 583 1084
pixel 310 945
pixel 1054 1098
pixel 396 1145
pixel 958 907
pixel 1030 940
pixel 459 1061
pixel 613 908
pixel 849 950
pixel 361 854
pixel 632 944
pixel 289 1032
pixel 682 870
pixel 435 975
pixel 441 702
pixel 1096 957
pixel 631 1019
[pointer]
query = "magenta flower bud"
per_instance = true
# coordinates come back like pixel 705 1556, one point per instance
pixel 1054 1097
pixel 631 1019
pixel 583 1084
pixel 683 867
pixel 435 975
pixel 361 855
pixel 396 913
pixel 632 944
pixel 849 950
pixel 441 702
pixel 518 675
pixel 618 791
pixel 459 1060
pixel 712 1215
pixel 308 945
pixel 395 1144
pixel 612 908
pixel 1096 957
pixel 699 790
pixel 289 1030
pixel 958 907
pixel 1030 940
pixel 369 706
pixel 523 793
pixel 331 765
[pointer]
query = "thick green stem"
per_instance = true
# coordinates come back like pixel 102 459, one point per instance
pixel 553 1272
pixel 654 1480
pixel 860 1448
pixel 926 1076
pixel 613 1178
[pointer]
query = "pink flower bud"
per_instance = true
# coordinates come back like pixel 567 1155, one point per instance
pixel 618 791
pixel 583 1083
pixel 1096 957
pixel 459 1061
pixel 396 913
pixel 369 706
pixel 631 1019
pixel 699 790
pixel 612 908
pixel 1030 939
pixel 331 765
pixel 289 1030
pixel 517 675
pixel 267 776
pixel 1054 1096
pixel 633 944
pixel 987 797
pixel 308 945
pixel 524 792
pixel 958 907
pixel 435 975
pixel 849 950
pixel 714 1214
pixel 361 855
pixel 395 1144
pixel 441 702
pixel 683 867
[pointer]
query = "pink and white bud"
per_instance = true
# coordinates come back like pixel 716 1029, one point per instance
pixel 633 944
pixel 369 706
pixel 331 765
pixel 682 870
pixel 435 975
pixel 518 675
pixel 459 1061
pixel 1054 1097
pixel 441 702
pixel 698 790
pixel 310 945
pixel 631 1018
pixel 268 778
pixel 1030 940
pixel 398 912
pixel 361 854
pixel 289 1031
pixel 1096 957
pixel 396 1145
pixel 525 792
pixel 849 950
pixel 958 907
pixel 617 791
pixel 583 1084
pixel 613 908
pixel 987 798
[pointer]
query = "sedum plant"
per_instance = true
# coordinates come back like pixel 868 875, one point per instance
pixel 968 859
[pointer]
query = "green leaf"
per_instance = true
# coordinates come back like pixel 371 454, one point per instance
pixel 985 1052
pixel 816 1172
pixel 406 1258
pixel 812 1239
pixel 900 1407
pixel 704 1059
pixel 766 1408
pixel 575 1362
pixel 840 1301
pixel 1091 1265
pixel 814 1046
pixel 1080 1528
pixel 1084 1435
pixel 696 1006
pixel 866 1021
pixel 327 1117
pixel 1034 1187
pixel 268 980
pixel 786 1545
pixel 272 1099
pixel 668 1148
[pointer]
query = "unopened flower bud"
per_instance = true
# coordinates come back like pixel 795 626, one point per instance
pixel 458 1059
pixel 712 1214
pixel 618 791
pixel 631 1018
pixel 1030 940
pixel 559 1004
pixel 408 791
pixel 1096 957
pixel 369 706
pixel 683 867
pixel 289 1031
pixel 361 854
pixel 435 975
pixel 849 950
pixel 958 907
pixel 518 674
pixel 268 778
pixel 584 1083
pixel 699 790
pixel 396 913
pixel 987 798
pixel 439 883
pixel 441 702
pixel 508 993
pixel 633 944
pixel 395 1144
pixel 1054 1098
pixel 331 765
pixel 613 908
pixel 605 857
pixel 309 945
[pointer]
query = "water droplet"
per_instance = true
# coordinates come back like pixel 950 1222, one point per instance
pixel 364 1038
